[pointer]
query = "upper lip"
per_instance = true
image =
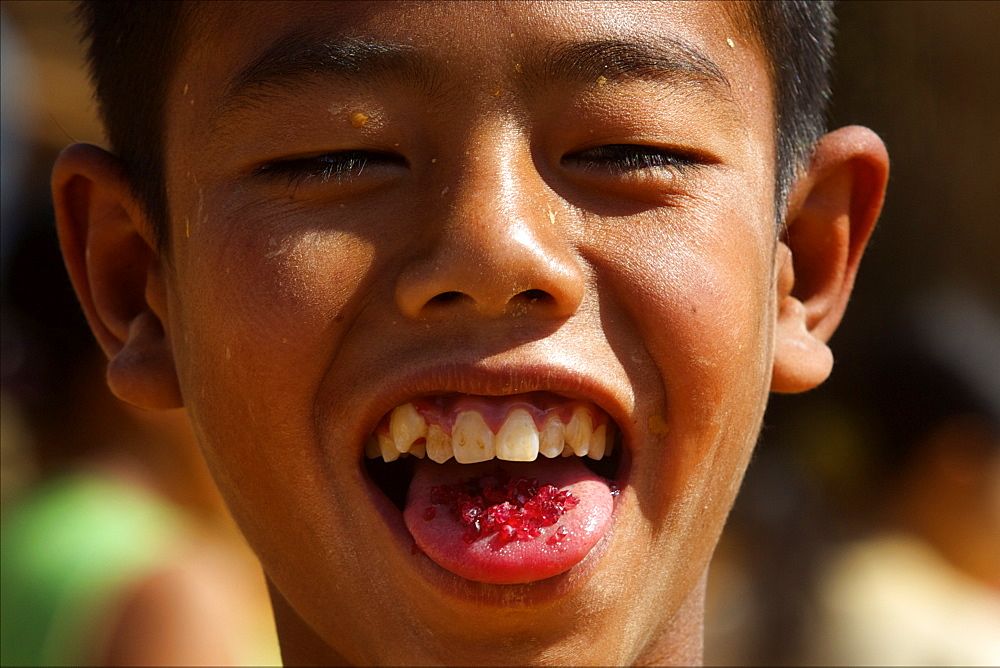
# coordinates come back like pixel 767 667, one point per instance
pixel 493 377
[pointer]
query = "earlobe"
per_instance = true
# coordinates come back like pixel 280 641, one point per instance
pixel 832 211
pixel 115 269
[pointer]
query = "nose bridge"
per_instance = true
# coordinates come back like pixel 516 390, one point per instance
pixel 498 248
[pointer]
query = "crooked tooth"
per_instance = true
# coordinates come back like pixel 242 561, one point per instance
pixel 418 449
pixel 438 444
pixel 387 448
pixel 471 438
pixel 552 438
pixel 598 442
pixel 567 451
pixel 406 425
pixel 579 430
pixel 372 451
pixel 517 440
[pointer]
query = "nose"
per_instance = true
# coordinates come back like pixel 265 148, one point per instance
pixel 498 248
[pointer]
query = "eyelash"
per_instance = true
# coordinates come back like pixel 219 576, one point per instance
pixel 612 158
pixel 340 165
pixel 626 158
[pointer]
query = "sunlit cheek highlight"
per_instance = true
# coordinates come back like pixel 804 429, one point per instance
pixel 301 282
pixel 276 301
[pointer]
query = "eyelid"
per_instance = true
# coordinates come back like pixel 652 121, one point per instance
pixel 627 157
pixel 349 163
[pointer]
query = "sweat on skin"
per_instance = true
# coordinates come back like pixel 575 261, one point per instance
pixel 559 211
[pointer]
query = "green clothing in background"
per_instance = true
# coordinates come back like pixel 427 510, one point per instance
pixel 68 550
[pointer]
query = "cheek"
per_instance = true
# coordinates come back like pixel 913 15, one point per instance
pixel 298 285
pixel 700 300
pixel 273 293
pixel 257 320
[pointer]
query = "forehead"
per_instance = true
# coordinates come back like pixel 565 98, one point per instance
pixel 440 25
pixel 237 52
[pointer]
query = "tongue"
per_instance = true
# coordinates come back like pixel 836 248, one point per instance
pixel 509 528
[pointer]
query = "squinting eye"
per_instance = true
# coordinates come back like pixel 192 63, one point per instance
pixel 341 165
pixel 623 158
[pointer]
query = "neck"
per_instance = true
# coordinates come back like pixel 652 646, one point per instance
pixel 678 643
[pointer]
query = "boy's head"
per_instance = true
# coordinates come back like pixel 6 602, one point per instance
pixel 463 229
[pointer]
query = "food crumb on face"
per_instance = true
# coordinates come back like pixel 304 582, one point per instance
pixel 601 80
pixel 730 42
pixel 657 425
pixel 358 119
pixel 517 68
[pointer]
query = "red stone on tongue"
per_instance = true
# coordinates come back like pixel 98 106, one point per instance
pixel 496 557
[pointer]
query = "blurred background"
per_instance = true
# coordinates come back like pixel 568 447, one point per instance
pixel 117 549
pixel 868 528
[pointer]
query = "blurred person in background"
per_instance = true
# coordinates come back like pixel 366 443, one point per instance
pixel 118 551
pixel 116 548
pixel 923 586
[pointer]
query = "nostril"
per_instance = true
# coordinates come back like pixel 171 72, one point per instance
pixel 446 297
pixel 534 296
pixel 519 301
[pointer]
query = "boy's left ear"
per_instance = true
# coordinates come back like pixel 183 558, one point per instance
pixel 832 209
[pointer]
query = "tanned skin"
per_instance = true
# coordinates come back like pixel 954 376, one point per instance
pixel 489 246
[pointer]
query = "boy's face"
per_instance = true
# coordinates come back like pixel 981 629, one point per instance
pixel 377 203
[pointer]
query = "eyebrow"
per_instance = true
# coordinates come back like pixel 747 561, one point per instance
pixel 666 59
pixel 300 58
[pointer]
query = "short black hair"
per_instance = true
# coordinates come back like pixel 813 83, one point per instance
pixel 134 45
pixel 132 50
pixel 797 37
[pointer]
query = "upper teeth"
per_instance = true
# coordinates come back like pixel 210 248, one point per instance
pixel 517 440
pixel 472 440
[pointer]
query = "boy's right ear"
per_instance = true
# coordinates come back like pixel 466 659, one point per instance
pixel 110 253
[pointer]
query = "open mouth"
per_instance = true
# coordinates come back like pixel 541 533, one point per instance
pixel 502 490
pixel 471 429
